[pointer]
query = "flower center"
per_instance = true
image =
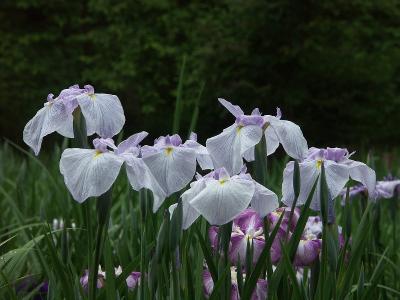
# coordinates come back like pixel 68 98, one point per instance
pixel 168 150
pixel 319 163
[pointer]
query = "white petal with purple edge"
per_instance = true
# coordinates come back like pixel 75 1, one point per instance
pixel 221 201
pixel 103 114
pixel 140 177
pixel 264 201
pixel 173 167
pixel 88 173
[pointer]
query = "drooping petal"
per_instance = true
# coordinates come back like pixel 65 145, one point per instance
pixel 249 154
pixel 50 118
pixel 221 201
pixel 272 140
pixel 190 215
pixel 309 172
pixel 233 109
pixel 225 150
pixel 202 155
pixel 89 173
pixel 140 177
pixel 228 148
pixel 364 174
pixel 66 127
pixel 103 114
pixel 173 167
pixel 290 136
pixel 337 175
pixel 264 201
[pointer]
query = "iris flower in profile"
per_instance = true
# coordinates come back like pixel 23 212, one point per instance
pixel 91 172
pixel 103 114
pixel 173 163
pixel 238 140
pixel 219 197
pixel 384 189
pixel 338 169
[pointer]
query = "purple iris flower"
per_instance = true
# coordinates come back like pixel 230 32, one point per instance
pixel 219 197
pixel 173 163
pixel 238 141
pixel 273 218
pixel 307 251
pixel 133 280
pixel 84 280
pixel 91 172
pixel 103 115
pixel 260 292
pixel 338 169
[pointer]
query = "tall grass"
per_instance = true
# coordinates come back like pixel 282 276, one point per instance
pixel 35 251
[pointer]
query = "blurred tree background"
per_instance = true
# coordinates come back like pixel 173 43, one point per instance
pixel 331 66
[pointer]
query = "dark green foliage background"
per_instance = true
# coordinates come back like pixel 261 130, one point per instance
pixel 331 66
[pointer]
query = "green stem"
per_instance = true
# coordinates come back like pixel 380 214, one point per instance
pixel 104 203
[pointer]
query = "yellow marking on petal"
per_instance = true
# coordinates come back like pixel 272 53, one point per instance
pixel 222 181
pixel 98 153
pixel 92 96
pixel 168 150
pixel 239 128
pixel 319 163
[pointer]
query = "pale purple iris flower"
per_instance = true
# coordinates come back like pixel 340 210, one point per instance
pixel 248 227
pixel 338 169
pixel 91 172
pixel 173 163
pixel 307 251
pixel 103 115
pixel 219 197
pixel 260 292
pixel 84 280
pixel 384 189
pixel 239 140
pixel 132 280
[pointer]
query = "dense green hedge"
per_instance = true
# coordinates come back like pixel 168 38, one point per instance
pixel 332 66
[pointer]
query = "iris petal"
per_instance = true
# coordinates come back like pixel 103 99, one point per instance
pixel 88 173
pixel 173 167
pixel 228 148
pixel 52 117
pixel 220 202
pixel 264 201
pixel 103 114
pixel 364 174
pixel 290 136
pixel 140 177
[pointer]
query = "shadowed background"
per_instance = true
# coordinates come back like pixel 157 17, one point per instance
pixel 332 67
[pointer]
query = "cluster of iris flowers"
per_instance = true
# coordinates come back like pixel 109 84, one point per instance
pixel 222 192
